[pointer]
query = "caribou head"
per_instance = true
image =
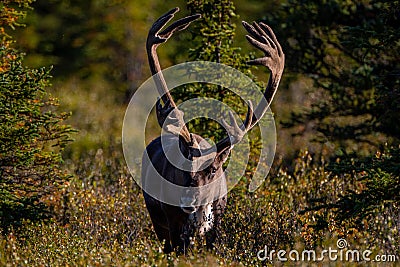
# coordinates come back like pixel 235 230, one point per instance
pixel 201 163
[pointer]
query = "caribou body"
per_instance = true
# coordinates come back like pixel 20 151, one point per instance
pixel 175 225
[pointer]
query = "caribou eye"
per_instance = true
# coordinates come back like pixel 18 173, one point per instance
pixel 213 170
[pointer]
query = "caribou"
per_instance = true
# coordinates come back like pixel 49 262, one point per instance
pixel 176 225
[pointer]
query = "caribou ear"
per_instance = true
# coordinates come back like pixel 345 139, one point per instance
pixel 187 149
pixel 184 147
pixel 195 152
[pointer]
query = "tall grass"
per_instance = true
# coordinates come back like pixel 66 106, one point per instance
pixel 102 221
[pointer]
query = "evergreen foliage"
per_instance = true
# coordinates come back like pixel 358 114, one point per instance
pixel 212 40
pixel 380 176
pixel 350 49
pixel 32 133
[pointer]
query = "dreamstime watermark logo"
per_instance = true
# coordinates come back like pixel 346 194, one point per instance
pixel 144 100
pixel 342 252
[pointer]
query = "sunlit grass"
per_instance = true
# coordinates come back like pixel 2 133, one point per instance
pixel 102 221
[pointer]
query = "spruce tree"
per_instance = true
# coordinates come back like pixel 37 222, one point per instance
pixel 212 40
pixel 350 50
pixel 32 132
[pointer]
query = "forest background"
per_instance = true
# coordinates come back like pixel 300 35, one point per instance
pixel 67 197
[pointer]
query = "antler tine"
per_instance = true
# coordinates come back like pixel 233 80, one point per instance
pixel 154 39
pixel 178 25
pixel 162 21
pixel 235 133
pixel 262 37
pixel 273 36
pixel 249 115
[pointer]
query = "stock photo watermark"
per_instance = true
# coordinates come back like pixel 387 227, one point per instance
pixel 342 252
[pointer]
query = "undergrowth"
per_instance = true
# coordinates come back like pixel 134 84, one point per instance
pixel 102 221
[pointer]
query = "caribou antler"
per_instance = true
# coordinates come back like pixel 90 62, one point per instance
pixel 235 132
pixel 262 37
pixel 154 39
pixel 173 225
